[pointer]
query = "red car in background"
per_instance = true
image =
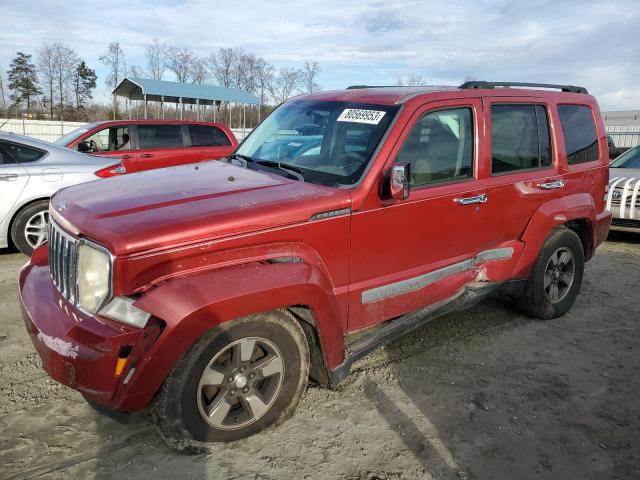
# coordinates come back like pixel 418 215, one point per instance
pixel 149 144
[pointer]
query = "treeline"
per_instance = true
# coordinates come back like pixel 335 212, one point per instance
pixel 56 83
pixel 226 67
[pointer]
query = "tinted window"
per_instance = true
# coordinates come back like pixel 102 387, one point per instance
pixel 440 147
pixel 159 136
pixel 207 136
pixel 22 153
pixel 519 138
pixel 5 159
pixel 579 132
pixel 109 139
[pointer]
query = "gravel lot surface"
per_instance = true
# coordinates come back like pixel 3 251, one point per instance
pixel 484 394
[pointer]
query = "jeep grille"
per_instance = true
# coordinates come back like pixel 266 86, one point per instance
pixel 63 259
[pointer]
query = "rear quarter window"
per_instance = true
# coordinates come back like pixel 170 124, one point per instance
pixel 207 136
pixel 579 132
pixel 22 153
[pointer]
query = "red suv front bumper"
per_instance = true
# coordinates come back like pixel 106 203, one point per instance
pixel 77 350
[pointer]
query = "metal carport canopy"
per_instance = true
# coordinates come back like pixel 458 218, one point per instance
pixel 135 88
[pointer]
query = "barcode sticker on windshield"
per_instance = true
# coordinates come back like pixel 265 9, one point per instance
pixel 361 116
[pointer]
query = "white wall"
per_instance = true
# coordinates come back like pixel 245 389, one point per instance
pixel 51 130
pixel 41 129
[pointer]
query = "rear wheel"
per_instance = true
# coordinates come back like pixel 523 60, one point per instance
pixel 30 227
pixel 240 378
pixel 556 277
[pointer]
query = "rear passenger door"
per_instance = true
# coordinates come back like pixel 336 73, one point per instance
pixel 13 179
pixel 520 170
pixel 160 145
pixel 208 142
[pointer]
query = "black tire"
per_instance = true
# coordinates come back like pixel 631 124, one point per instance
pixel 176 408
pixel 20 222
pixel 535 300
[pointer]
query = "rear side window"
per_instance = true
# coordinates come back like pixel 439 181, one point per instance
pixel 579 132
pixel 207 136
pixel 159 136
pixel 22 153
pixel 520 138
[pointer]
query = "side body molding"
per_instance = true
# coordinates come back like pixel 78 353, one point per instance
pixel 193 304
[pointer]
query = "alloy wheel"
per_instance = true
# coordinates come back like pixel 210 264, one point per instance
pixel 240 383
pixel 559 274
pixel 36 229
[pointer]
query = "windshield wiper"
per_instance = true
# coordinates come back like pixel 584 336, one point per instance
pixel 291 170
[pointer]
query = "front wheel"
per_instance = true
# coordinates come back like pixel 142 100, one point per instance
pixel 556 277
pixel 240 378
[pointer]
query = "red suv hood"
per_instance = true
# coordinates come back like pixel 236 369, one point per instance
pixel 164 207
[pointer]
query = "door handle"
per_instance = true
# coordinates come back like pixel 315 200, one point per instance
pixel 551 185
pixel 146 155
pixel 8 177
pixel 482 198
pixel 126 157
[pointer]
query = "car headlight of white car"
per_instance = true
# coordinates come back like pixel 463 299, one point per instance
pixel 93 277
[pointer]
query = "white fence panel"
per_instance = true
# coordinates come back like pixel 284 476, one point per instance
pixel 624 136
pixel 49 130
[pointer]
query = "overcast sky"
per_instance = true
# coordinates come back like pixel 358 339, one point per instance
pixel 591 43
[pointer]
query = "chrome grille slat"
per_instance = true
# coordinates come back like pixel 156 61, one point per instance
pixel 63 256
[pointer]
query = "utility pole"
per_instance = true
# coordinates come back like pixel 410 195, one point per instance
pixel 4 103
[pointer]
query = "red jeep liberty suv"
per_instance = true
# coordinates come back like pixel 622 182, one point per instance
pixel 214 291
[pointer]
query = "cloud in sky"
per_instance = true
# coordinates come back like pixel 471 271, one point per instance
pixel 590 43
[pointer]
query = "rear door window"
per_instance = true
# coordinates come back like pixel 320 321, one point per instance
pixel 207 136
pixel 579 132
pixel 520 138
pixel 22 153
pixel 160 136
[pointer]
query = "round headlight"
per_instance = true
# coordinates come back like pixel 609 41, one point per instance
pixel 94 277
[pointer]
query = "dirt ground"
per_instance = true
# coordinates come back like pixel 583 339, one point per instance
pixel 486 394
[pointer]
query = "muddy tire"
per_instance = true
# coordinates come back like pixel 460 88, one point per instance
pixel 238 379
pixel 556 277
pixel 30 226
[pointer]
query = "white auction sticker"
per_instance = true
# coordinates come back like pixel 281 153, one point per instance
pixel 361 116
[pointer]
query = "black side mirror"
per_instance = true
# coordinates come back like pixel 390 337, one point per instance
pixel 397 182
pixel 84 146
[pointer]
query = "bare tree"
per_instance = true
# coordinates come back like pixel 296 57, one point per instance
pixel 264 73
pixel 180 62
pixel 156 54
pixel 284 85
pixel 199 71
pixel 412 80
pixel 65 64
pixel 115 61
pixel 309 74
pixel 2 97
pixel 47 73
pixel 223 66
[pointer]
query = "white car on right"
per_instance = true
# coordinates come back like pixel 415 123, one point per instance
pixel 623 199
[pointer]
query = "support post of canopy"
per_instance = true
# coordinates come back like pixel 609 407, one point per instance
pixel 244 119
pixel 181 108
pixel 215 107
pixel 197 109
pixel 162 106
pixel 145 106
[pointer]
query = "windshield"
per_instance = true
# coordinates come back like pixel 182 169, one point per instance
pixel 329 143
pixel 71 136
pixel 629 159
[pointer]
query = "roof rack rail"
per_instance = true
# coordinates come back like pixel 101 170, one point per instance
pixel 489 85
pixel 356 87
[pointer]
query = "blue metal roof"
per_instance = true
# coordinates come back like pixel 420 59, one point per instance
pixel 135 88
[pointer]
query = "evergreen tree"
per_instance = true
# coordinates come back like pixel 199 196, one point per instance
pixel 84 81
pixel 22 79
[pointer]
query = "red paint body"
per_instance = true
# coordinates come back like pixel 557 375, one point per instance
pixel 196 244
pixel 137 159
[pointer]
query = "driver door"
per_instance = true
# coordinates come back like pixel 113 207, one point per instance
pixel 411 253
